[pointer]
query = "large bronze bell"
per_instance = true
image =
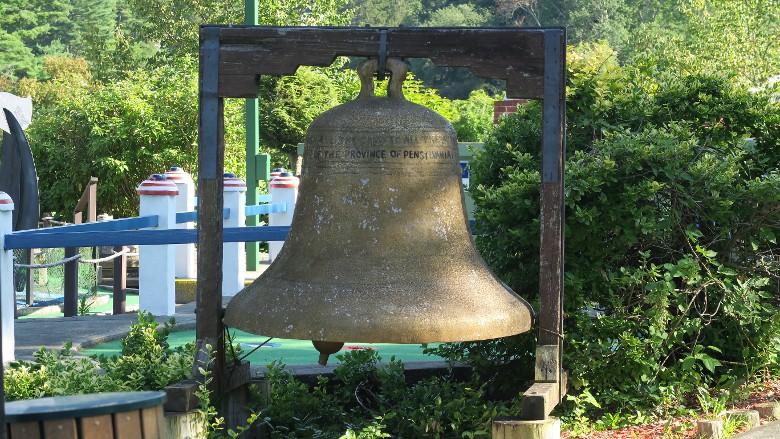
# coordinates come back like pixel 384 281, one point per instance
pixel 379 249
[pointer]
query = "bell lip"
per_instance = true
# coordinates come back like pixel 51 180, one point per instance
pixel 518 320
pixel 383 339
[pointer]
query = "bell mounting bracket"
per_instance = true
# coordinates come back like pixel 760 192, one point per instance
pixel 380 74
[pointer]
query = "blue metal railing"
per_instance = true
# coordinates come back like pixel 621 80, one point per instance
pixel 124 231
pixel 260 209
pixel 140 237
pixel 138 222
pixel 264 209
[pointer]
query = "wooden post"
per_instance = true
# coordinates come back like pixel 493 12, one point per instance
pixel 120 281
pixel 29 281
pixel 210 349
pixel 71 269
pixel 71 283
pixel 548 391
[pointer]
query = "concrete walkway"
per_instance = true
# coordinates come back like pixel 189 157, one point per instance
pixel 766 431
pixel 84 331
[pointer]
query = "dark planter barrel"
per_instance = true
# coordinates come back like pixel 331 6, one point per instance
pixel 120 415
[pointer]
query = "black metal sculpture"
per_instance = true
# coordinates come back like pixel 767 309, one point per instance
pixel 18 177
pixel 19 180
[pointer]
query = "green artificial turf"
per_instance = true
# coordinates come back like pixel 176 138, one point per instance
pixel 286 351
pixel 131 300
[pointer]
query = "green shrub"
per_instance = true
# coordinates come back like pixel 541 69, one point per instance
pixel 672 200
pixel 367 398
pixel 55 373
pixel 121 133
pixel 146 363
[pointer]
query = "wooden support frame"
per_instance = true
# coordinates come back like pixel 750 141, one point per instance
pixel 531 60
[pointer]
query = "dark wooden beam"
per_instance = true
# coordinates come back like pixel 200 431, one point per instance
pixel 549 388
pixel 552 195
pixel 211 161
pixel 515 55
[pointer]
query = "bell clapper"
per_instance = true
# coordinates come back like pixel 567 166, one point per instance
pixel 325 348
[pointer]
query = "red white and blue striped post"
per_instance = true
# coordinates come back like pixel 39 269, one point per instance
pixel 7 290
pixel 185 202
pixel 156 263
pixel 233 255
pixel 283 189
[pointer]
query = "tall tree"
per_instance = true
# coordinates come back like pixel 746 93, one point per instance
pixel 91 20
pixel 16 58
pixel 734 36
pixel 726 37
pixel 389 13
pixel 599 20
pixel 174 24
pixel 34 24
pixel 84 28
pixel 453 83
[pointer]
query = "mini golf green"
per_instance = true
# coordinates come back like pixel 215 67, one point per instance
pixel 104 307
pixel 286 351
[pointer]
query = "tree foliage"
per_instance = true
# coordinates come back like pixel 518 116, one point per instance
pixel 290 103
pixel 33 29
pixel 120 133
pixel 380 13
pixel 174 25
pixel 672 205
pixel 726 37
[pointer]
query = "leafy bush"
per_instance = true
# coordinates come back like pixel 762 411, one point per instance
pixel 55 373
pixel 368 399
pixel 288 104
pixel 146 363
pixel 121 133
pixel 474 120
pixel 672 200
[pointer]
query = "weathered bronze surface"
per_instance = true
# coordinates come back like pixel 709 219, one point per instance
pixel 379 249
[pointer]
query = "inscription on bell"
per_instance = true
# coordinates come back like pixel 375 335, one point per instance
pixel 356 154
pixel 391 152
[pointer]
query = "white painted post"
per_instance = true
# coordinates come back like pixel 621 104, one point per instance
pixel 233 255
pixel 156 274
pixel 185 202
pixel 7 290
pixel 283 189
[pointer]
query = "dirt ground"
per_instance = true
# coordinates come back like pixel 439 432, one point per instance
pixel 682 427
